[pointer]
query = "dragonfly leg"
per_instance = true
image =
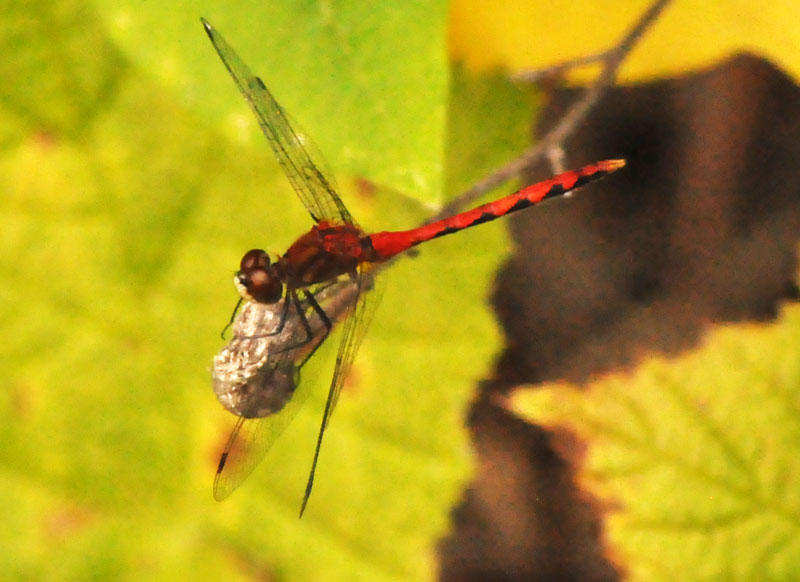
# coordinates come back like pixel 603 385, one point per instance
pixel 293 299
pixel 326 321
pixel 284 316
pixel 281 322
pixel 233 316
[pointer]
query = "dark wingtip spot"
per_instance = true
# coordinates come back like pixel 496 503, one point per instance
pixel 260 83
pixel 206 25
pixel 222 461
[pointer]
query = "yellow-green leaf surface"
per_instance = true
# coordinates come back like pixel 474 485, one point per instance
pixel 366 80
pixel 695 457
pixel 127 203
pixel 522 35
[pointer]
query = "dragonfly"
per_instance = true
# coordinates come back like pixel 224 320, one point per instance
pixel 291 302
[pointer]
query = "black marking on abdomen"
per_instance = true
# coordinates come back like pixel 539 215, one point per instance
pixel 582 180
pixel 585 179
pixel 519 205
pixel 557 190
pixel 484 217
pixel 444 231
pixel 522 203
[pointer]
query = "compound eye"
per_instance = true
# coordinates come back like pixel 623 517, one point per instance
pixel 254 259
pixel 257 279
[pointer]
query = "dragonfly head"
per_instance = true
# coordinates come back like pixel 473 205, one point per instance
pixel 257 279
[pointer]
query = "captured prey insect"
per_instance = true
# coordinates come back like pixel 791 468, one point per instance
pixel 323 279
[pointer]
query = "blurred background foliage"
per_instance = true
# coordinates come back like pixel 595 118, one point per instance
pixel 697 454
pixel 133 178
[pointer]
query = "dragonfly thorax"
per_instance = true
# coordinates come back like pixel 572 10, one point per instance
pixel 323 254
pixel 258 279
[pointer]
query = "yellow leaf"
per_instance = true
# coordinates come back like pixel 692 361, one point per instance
pixel 521 35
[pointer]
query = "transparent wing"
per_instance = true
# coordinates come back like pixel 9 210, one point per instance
pixel 250 440
pixel 369 296
pixel 309 181
pixel 358 316
pixel 256 377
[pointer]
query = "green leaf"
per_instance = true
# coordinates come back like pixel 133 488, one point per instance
pixel 695 457
pixel 124 215
pixel 485 110
pixel 367 80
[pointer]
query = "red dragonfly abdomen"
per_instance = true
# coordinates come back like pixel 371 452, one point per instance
pixel 388 244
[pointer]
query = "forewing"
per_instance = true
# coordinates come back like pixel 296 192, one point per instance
pixel 355 327
pixel 357 319
pixel 306 176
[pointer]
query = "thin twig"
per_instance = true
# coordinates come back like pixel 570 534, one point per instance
pixel 568 124
pixel 561 68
